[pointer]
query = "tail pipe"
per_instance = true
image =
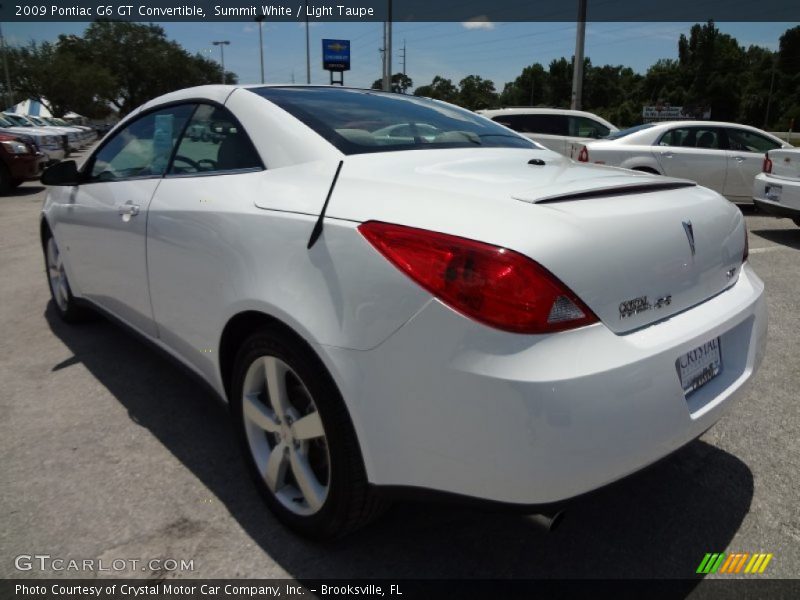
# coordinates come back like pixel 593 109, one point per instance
pixel 549 521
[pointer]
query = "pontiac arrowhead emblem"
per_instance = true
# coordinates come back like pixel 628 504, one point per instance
pixel 687 227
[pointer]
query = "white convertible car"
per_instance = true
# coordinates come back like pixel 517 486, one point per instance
pixel 466 312
pixel 722 156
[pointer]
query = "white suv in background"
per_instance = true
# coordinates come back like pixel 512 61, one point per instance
pixel 553 128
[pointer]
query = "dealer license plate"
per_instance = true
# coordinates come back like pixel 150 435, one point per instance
pixel 699 366
pixel 773 192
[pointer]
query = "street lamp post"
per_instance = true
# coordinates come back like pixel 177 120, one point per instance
pixel 260 21
pixel 222 45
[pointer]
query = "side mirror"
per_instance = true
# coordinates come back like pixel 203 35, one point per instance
pixel 64 173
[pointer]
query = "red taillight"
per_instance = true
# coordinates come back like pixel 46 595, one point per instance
pixel 583 155
pixel 493 285
pixel 766 167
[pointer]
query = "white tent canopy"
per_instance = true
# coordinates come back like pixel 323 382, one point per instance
pixel 37 109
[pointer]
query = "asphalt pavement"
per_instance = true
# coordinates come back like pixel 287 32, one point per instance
pixel 111 451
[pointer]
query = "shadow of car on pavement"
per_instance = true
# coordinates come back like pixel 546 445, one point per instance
pixel 658 523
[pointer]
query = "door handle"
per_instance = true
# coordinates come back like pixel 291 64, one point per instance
pixel 667 154
pixel 129 209
pixel 739 158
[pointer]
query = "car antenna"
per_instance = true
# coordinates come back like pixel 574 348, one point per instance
pixel 317 231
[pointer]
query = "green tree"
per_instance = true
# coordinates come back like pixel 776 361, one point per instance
pixel 439 89
pixel 528 89
pixel 59 79
pixel 142 61
pixel 477 93
pixel 400 83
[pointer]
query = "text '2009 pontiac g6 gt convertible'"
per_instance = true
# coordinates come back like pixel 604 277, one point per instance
pixel 394 293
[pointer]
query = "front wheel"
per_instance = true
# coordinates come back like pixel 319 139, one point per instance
pixel 297 437
pixel 66 305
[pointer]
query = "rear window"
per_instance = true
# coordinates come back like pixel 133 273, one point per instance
pixel 361 121
pixel 530 123
pixel 623 132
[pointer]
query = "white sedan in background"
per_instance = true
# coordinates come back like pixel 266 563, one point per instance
pixel 470 314
pixel 776 190
pixel 722 156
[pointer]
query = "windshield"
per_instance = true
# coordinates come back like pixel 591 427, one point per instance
pixel 17 120
pixel 615 135
pixel 360 121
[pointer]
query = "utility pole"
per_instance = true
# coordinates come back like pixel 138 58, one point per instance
pixel 577 67
pixel 222 45
pixel 404 57
pixel 769 98
pixel 382 50
pixel 260 20
pixel 308 54
pixel 9 92
pixel 389 48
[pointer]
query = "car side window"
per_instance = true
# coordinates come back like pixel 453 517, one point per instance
pixel 747 141
pixel 143 148
pixel 544 124
pixel 587 128
pixel 692 137
pixel 214 142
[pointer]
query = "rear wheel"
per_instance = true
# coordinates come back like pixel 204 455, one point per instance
pixel 66 305
pixel 5 179
pixel 297 438
pixel 797 221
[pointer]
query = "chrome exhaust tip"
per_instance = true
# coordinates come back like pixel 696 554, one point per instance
pixel 548 521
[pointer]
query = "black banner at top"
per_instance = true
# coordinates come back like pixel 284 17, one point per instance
pixel 400 10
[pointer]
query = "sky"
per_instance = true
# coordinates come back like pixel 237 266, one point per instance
pixel 496 51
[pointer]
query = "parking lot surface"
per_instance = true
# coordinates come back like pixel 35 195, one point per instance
pixel 112 451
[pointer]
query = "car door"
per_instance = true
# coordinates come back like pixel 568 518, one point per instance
pixel 745 155
pixel 549 130
pixel 192 238
pixel 695 152
pixel 582 129
pixel 104 225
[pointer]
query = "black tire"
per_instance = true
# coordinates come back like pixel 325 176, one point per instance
pixel 797 221
pixel 350 502
pixel 5 180
pixel 69 310
pixel 15 183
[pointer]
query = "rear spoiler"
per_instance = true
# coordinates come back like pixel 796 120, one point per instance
pixel 615 190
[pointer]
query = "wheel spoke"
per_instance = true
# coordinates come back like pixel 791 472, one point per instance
pixel 308 427
pixel 275 473
pixel 259 414
pixel 312 490
pixel 62 289
pixel 275 374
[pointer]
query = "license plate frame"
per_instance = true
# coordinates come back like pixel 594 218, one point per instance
pixel 699 366
pixel 773 192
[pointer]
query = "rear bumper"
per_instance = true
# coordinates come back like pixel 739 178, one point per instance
pixel 453 406
pixel 789 203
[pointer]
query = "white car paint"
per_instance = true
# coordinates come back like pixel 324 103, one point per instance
pixel 437 400
pixel 727 170
pixel 560 143
pixel 778 192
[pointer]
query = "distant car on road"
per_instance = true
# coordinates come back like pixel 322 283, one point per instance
pixel 553 128
pixel 776 189
pixel 722 156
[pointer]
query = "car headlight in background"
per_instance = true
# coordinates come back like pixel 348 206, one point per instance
pixel 15 147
